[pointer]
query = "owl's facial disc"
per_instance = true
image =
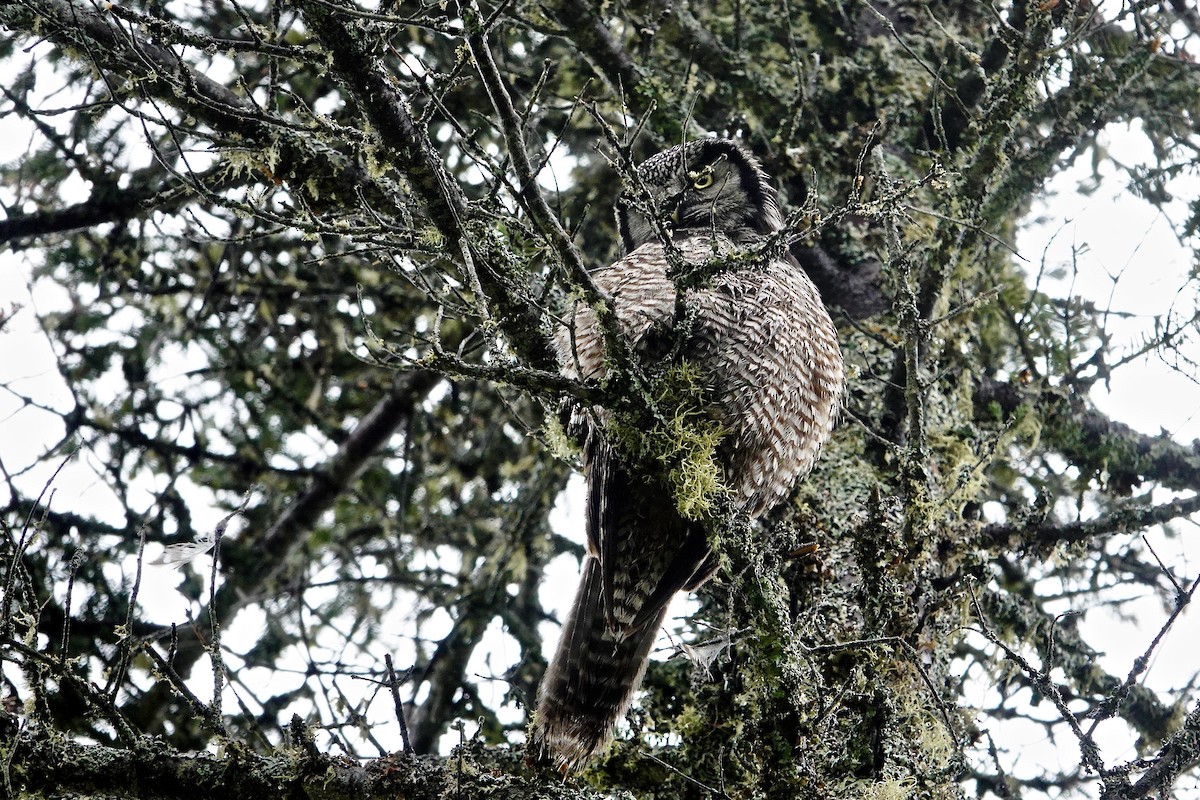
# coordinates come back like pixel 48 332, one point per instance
pixel 705 185
pixel 707 193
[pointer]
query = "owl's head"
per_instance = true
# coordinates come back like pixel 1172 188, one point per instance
pixel 708 184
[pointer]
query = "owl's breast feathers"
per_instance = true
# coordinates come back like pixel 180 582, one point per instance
pixel 764 341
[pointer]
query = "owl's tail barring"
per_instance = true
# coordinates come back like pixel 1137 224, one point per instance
pixel 591 680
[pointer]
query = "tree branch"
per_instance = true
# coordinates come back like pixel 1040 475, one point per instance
pixel 273 548
pixel 1092 441
pixel 360 74
pixel 38 761
pixel 1129 519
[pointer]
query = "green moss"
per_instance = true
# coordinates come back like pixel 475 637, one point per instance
pixel 894 789
pixel 680 443
pixel 561 445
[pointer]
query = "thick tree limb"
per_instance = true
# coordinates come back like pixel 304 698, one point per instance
pixel 40 762
pixel 149 189
pixel 1125 520
pixel 1092 441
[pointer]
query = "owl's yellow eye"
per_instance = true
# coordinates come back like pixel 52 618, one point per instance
pixel 703 180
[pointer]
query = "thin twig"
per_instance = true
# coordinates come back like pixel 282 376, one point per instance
pixel 1041 681
pixel 394 685
pixel 681 774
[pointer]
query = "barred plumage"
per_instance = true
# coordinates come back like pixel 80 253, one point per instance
pixel 764 340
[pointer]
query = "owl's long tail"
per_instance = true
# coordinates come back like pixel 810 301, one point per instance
pixel 591 680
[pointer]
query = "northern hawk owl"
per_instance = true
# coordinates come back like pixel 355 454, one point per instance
pixel 762 340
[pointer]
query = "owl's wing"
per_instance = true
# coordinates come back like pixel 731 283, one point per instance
pixel 601 467
pixel 646 551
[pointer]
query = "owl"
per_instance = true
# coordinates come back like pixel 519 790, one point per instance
pixel 768 353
